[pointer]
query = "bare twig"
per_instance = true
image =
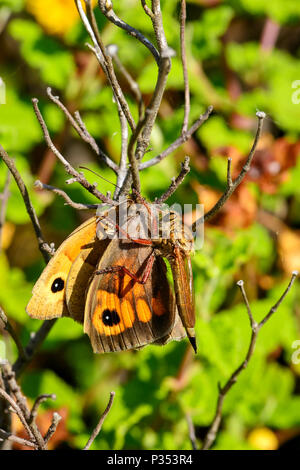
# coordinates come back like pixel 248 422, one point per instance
pixel 148 10
pixel 79 177
pixel 21 403
pixel 76 205
pixel 82 131
pixel 104 59
pixel 8 327
pixel 55 421
pixel 4 199
pixel 7 436
pixel 100 423
pixel 191 429
pixel 232 185
pixel 18 404
pixel 176 182
pixel 45 249
pixel 255 328
pixel 112 49
pixel 18 411
pixel 164 68
pixel 37 403
pixel 183 138
pixel 111 16
pixel 184 68
pixel 123 158
pixel 35 342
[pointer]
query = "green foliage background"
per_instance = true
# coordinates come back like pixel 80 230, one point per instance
pixel 153 393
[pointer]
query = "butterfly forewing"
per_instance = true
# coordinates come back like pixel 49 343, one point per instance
pixel 48 295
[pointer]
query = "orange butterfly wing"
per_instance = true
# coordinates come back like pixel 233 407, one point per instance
pixel 120 312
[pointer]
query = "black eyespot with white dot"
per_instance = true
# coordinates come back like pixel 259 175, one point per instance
pixel 110 317
pixel 57 285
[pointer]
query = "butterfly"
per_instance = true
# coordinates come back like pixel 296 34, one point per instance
pixel 98 281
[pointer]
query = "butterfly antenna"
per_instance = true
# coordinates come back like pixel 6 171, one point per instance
pixel 100 176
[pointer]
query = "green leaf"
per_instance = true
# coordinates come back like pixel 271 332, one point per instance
pixel 54 63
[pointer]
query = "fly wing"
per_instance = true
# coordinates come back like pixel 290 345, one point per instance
pixel 183 286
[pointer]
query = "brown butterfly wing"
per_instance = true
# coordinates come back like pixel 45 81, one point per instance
pixel 121 313
pixel 48 295
pixel 79 276
pixel 176 334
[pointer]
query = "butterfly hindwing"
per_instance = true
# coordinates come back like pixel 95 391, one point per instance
pixel 121 313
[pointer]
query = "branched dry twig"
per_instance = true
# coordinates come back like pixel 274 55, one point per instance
pixel 52 428
pixel 18 403
pixel 255 328
pixel 178 142
pixel 82 131
pixel 43 246
pixel 111 16
pixel 37 403
pixel 112 50
pixel 78 177
pixel 232 185
pixel 5 324
pixel 184 68
pixel 76 205
pixel 176 182
pixel 33 345
pixel 104 59
pixel 7 436
pixel 100 423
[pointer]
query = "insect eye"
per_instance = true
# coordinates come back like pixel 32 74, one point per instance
pixel 110 317
pixel 57 285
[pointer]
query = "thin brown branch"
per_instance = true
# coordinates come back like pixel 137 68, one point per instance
pixel 18 411
pixel 76 205
pixel 100 423
pixel 18 404
pixel 45 249
pixel 164 67
pixel 148 10
pixel 111 16
pixel 79 177
pixel 8 327
pixel 37 403
pixel 112 50
pixel 21 402
pixel 123 158
pixel 82 131
pixel 178 142
pixel 184 68
pixel 176 182
pixel 192 434
pixel 279 301
pixel 232 185
pixel 255 328
pixel 53 426
pixel 104 59
pixel 33 345
pixel 7 436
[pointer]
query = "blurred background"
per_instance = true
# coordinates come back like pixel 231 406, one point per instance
pixel 243 55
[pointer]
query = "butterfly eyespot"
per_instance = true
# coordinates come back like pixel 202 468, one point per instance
pixel 110 317
pixel 57 285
